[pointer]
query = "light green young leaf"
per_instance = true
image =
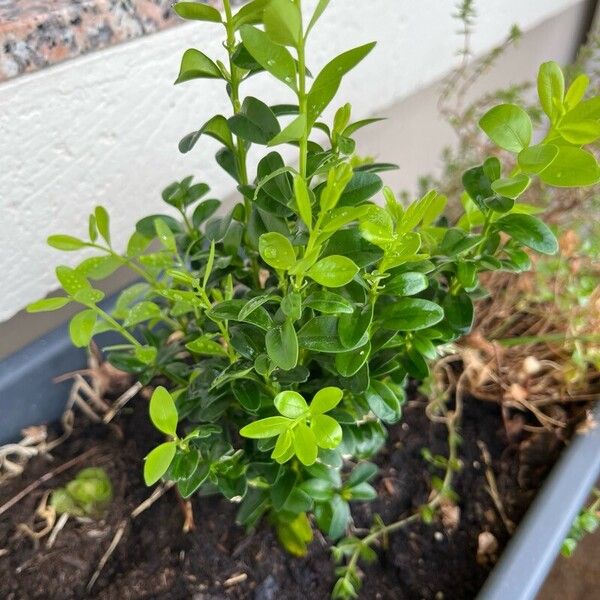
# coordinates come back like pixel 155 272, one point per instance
pixel 329 79
pixel 277 251
pixel 163 412
pixel 325 400
pixel 303 200
pixel 270 56
pixel 207 346
pixel 511 187
pixel 327 430
pixel 158 461
pixel 291 133
pixel 333 271
pixel 144 311
pixel 572 167
pixel 47 304
pixel 103 223
pixel 508 126
pixel 283 22
pixel 576 91
pixel 146 354
pixel 81 328
pixel 536 158
pixel 319 10
pixel 266 428
pixel 305 444
pixel 67 243
pixel 290 404
pixel 71 280
pixel 165 235
pixel 197 12
pixel 551 89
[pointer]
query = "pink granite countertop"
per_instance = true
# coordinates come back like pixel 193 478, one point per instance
pixel 38 33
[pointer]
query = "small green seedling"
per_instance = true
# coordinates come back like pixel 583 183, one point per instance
pixel 88 495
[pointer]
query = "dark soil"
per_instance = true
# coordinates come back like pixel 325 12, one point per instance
pixel 156 560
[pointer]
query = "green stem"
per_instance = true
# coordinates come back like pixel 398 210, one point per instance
pixel 106 317
pixel 302 100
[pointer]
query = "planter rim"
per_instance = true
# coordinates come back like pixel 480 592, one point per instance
pixel 531 552
pixel 28 396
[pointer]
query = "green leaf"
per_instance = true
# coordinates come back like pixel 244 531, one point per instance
pixel 291 133
pixel 99 267
pixel 197 12
pixel 305 444
pixel 216 127
pixel 329 303
pixel 255 122
pixel 551 89
pixel 266 428
pixel 411 314
pixel 277 251
pixel 205 345
pixel 384 403
pixel 353 328
pixel 146 354
pixel 537 158
pixel 158 461
pixel 508 126
pixel 67 243
pixel 406 284
pixel 361 187
pixel 361 473
pixel 163 412
pixel 348 364
pixel 321 335
pixel 459 312
pixel 103 223
pixel 572 167
pixel 281 452
pixel 282 346
pixel 283 22
pixel 81 328
pixel 325 400
pixel 196 65
pixel 327 431
pixel 270 56
pixel 290 404
pixel 579 132
pixel 47 304
pixel 319 10
pixel 511 187
pixel 329 79
pixel 143 311
pixel 291 305
pixel 204 211
pixel 165 235
pixel 333 271
pixel 530 231
pixel 188 486
pixel 576 91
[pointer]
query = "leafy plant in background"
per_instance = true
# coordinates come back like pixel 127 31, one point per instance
pixel 586 522
pixel 287 326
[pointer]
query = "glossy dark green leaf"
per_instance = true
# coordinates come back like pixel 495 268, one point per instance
pixel 272 57
pixel 530 231
pixel 255 122
pixel 411 314
pixel 384 402
pixel 320 334
pixel 329 303
pixel 216 127
pixel 196 65
pixel 353 329
pixel 282 346
pixel 459 312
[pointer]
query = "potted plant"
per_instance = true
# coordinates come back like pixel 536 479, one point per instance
pixel 281 335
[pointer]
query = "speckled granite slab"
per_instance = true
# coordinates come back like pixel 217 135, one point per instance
pixel 38 33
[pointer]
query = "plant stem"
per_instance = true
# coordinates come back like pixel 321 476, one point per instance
pixel 106 317
pixel 235 99
pixel 302 99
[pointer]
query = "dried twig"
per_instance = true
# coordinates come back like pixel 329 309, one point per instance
pixel 46 477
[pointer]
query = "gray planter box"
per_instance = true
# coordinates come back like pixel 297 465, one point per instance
pixel 28 396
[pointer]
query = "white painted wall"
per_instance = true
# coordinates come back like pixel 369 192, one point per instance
pixel 104 128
